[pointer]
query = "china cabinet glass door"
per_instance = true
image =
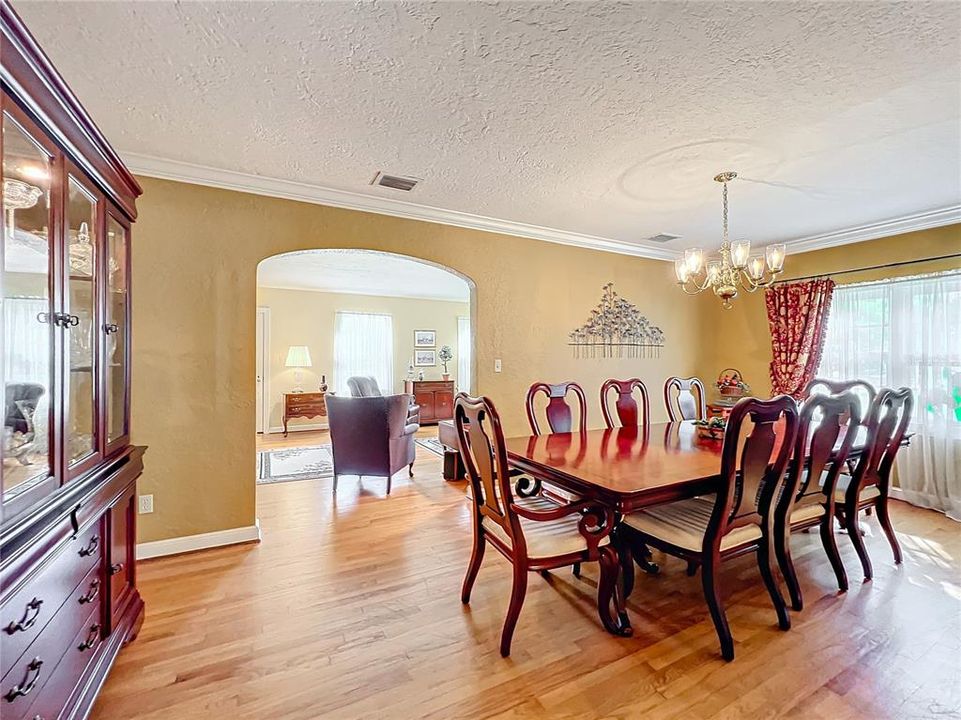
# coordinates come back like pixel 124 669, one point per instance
pixel 28 320
pixel 116 330
pixel 81 428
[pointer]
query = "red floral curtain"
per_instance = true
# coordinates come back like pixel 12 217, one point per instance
pixel 797 314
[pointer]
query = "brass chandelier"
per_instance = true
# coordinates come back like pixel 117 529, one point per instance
pixel 737 268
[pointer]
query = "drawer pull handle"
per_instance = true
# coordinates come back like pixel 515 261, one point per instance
pixel 91 593
pixel 28 684
pixel 91 638
pixel 28 620
pixel 91 547
pixel 116 569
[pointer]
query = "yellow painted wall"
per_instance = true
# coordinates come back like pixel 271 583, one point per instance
pixel 740 337
pixel 195 255
pixel 305 317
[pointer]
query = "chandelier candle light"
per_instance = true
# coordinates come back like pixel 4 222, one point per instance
pixel 736 269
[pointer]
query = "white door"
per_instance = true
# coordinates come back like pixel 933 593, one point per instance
pixel 263 319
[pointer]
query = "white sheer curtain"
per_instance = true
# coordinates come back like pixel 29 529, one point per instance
pixel 363 345
pixel 27 341
pixel 463 354
pixel 908 332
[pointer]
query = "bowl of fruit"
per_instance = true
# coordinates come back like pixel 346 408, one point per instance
pixel 712 429
pixel 730 385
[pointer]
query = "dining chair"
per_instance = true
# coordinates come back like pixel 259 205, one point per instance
pixel 736 519
pixel 560 418
pixel 684 405
pixel 808 497
pixel 862 389
pixel 626 407
pixel 533 533
pixel 870 483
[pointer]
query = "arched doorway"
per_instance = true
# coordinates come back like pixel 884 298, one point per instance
pixel 325 315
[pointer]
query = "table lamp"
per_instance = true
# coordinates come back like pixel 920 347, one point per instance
pixel 298 356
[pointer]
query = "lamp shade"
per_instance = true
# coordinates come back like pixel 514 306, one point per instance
pixel 298 356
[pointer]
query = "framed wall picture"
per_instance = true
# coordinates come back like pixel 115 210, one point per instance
pixel 425 358
pixel 425 339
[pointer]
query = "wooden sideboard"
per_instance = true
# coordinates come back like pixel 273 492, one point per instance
pixel 435 397
pixel 303 405
pixel 68 508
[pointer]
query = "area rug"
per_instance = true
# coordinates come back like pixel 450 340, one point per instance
pixel 432 444
pixel 303 463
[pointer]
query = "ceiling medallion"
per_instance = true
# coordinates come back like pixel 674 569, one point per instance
pixel 736 269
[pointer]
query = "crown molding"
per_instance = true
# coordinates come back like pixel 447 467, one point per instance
pixel 872 231
pixel 163 169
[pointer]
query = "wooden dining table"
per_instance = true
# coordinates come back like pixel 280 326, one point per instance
pixel 630 468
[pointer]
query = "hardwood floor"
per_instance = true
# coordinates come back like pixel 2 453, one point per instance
pixel 350 608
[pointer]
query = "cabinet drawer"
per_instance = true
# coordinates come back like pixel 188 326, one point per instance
pixel 307 409
pixel 30 674
pixel 65 677
pixel 29 609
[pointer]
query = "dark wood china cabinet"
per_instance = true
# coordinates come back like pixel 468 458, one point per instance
pixel 68 596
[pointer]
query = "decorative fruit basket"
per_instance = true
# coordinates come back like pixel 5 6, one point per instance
pixel 730 385
pixel 712 429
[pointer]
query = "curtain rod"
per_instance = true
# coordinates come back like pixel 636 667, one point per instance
pixel 872 267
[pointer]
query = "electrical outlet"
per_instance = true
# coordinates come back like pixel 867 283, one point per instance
pixel 146 504
pixel 497 365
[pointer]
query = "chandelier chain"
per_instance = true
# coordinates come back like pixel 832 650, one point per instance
pixel 724 239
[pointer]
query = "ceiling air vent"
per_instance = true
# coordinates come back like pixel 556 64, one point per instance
pixel 662 238
pixel 396 182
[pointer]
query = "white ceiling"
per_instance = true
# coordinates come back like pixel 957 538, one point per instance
pixel 598 119
pixel 361 272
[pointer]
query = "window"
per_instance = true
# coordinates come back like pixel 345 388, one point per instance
pixel 907 332
pixel 901 332
pixel 463 354
pixel 364 345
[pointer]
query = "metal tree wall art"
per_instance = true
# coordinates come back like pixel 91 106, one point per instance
pixel 615 328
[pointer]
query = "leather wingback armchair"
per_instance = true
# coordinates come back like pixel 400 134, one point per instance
pixel 366 386
pixel 371 435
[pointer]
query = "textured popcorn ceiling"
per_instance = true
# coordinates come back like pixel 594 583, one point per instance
pixel 599 118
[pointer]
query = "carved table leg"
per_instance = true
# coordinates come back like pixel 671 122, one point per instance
pixel 610 596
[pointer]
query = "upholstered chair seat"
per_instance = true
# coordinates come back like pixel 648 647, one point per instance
pixel 803 513
pixel 684 524
pixel 549 538
pixel 840 491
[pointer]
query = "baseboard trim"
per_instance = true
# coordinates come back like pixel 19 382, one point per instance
pixel 298 428
pixel 203 541
pixel 896 493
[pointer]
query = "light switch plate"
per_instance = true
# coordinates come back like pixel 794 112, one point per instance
pixel 497 365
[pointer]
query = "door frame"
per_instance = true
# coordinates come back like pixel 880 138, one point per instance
pixel 263 319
